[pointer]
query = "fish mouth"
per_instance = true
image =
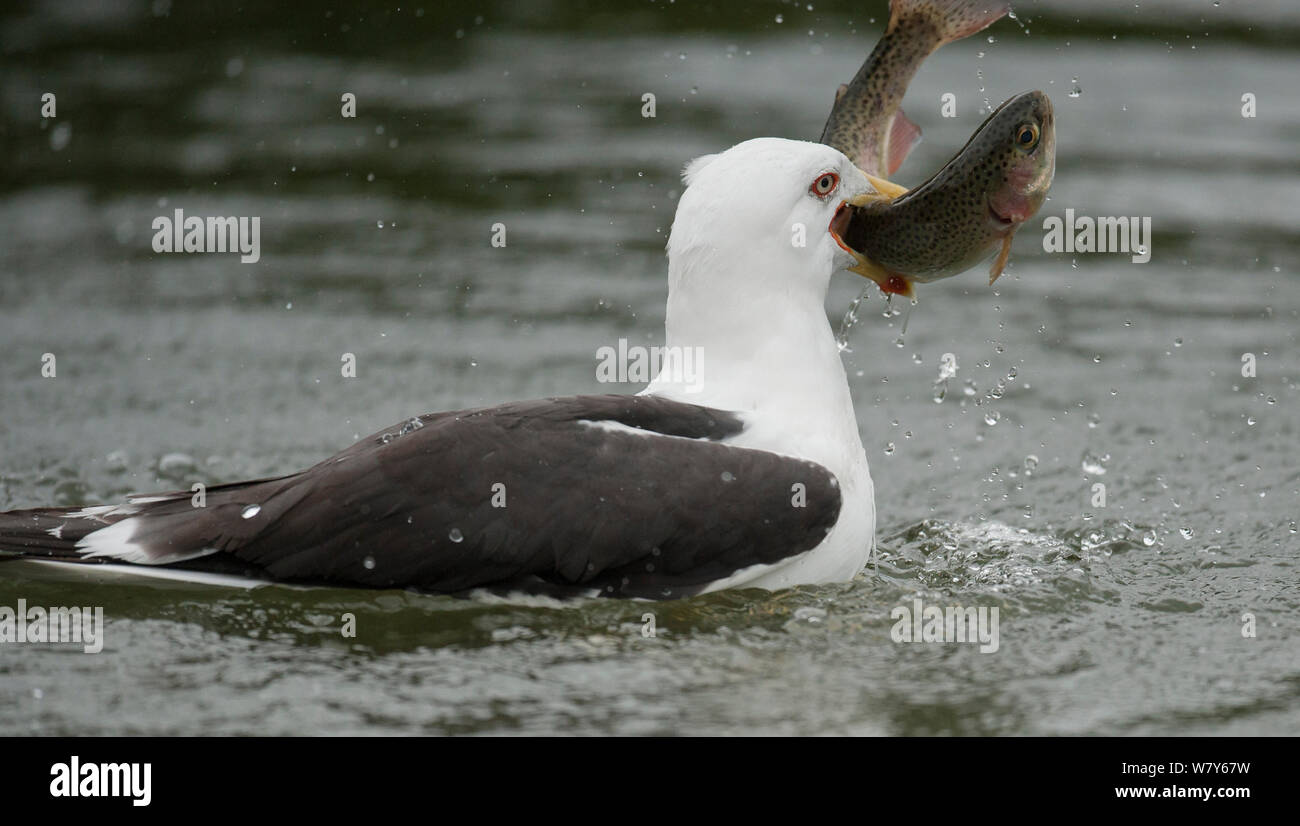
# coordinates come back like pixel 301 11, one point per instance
pixel 1003 224
pixel 841 227
pixel 999 218
pixel 1010 213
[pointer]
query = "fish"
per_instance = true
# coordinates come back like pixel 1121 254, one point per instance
pixel 866 122
pixel 967 211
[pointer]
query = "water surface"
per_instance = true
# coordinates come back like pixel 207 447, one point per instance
pixel 1123 619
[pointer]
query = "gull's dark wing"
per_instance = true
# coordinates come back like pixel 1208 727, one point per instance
pixel 630 495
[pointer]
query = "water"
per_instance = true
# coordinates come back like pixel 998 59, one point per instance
pixel 1123 618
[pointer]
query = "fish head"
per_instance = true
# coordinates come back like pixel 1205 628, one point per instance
pixel 1019 160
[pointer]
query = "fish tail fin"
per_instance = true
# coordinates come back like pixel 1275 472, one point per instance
pixel 954 19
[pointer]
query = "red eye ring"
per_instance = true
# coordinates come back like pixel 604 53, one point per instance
pixel 824 184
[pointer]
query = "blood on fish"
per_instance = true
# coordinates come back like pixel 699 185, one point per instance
pixel 896 284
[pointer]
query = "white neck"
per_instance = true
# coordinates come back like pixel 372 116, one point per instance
pixel 767 354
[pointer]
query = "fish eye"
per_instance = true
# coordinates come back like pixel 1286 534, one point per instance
pixel 824 184
pixel 1026 136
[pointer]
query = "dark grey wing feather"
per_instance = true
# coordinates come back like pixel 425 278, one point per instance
pixel 585 507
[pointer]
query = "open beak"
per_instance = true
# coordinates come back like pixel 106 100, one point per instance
pixel 841 229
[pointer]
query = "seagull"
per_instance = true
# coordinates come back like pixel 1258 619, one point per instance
pixel 750 473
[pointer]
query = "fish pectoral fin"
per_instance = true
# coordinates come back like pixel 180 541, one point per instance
pixel 889 189
pixel 840 92
pixel 887 280
pixel 904 135
pixel 1001 260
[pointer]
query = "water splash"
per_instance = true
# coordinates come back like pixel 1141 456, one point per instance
pixel 1094 465
pixel 850 320
pixel 947 369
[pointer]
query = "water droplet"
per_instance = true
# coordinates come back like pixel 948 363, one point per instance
pixel 1031 464
pixel 780 18
pixel 410 425
pixel 1178 342
pixel 1187 533
pixel 1250 420
pixel 1149 538
pixel 727 476
pixel 850 319
pixel 455 535
pixel 368 563
pixel 947 368
pixel 991 417
pixel 60 136
pixel 379 224
pixel 1094 465
pixel 810 615
pixel 889 449
pixel 1094 419
pixel 251 511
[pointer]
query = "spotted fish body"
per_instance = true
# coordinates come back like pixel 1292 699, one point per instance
pixel 866 123
pixel 968 209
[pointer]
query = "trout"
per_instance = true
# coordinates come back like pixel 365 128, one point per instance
pixel 965 212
